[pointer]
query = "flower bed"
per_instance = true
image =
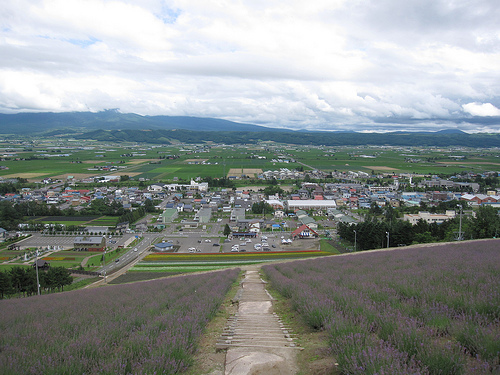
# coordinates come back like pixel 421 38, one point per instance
pixel 142 328
pixel 429 310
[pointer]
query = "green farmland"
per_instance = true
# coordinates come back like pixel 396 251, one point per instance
pixel 156 163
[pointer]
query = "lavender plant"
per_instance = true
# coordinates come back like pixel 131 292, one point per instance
pixel 438 306
pixel 143 328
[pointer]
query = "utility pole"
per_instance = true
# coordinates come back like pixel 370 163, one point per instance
pixel 37 278
pixel 387 233
pixel 460 225
pixel 355 235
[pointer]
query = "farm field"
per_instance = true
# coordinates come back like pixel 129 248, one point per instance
pixel 165 264
pixel 144 328
pixel 61 161
pixel 421 310
pixel 399 160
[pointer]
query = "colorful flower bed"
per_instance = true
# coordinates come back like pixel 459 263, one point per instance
pixel 174 263
pixel 58 258
pixel 143 328
pixel 180 263
pixel 433 310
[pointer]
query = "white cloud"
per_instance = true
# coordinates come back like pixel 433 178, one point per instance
pixel 481 109
pixel 318 64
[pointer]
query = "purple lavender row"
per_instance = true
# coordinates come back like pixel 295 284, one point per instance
pixel 142 328
pixel 438 306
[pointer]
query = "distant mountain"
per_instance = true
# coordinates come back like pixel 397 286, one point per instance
pixel 298 138
pixel 450 131
pixel 114 126
pixel 30 123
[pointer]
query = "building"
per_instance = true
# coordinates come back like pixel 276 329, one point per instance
pixel 168 215
pixel 89 243
pixel 304 232
pixel 237 214
pixel 41 264
pixel 203 216
pixel 164 246
pixel 310 204
pixel 429 218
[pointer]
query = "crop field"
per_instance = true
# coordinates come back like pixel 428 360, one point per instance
pixel 424 310
pixel 169 263
pixel 399 160
pixel 144 328
pixel 78 220
pixel 141 162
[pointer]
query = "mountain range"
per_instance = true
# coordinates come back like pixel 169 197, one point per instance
pixel 113 126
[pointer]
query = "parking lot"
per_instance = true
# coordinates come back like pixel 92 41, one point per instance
pixel 187 242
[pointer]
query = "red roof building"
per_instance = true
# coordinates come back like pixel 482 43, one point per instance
pixel 304 232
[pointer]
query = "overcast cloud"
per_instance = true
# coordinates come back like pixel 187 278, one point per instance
pixel 366 65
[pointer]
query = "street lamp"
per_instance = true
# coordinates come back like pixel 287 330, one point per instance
pixel 387 233
pixel 460 225
pixel 37 278
pixel 355 235
pixel 104 265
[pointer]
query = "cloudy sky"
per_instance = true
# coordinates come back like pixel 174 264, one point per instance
pixel 366 65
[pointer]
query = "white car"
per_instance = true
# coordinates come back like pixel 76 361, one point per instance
pixel 192 249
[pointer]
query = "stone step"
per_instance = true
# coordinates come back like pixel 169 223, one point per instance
pixel 225 346
pixel 254 325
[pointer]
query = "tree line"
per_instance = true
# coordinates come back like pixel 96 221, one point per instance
pixel 388 231
pixel 13 214
pixel 21 281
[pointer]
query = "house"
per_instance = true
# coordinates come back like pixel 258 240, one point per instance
pixel 304 232
pixel 254 226
pixel 279 214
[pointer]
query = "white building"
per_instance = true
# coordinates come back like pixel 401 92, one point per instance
pixel 310 204
pixel 429 218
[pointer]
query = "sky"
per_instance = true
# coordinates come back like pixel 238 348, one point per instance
pixel 362 65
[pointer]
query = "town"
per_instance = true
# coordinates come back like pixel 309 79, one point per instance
pixel 296 206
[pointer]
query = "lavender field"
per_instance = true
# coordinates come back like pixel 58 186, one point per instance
pixel 143 328
pixel 425 310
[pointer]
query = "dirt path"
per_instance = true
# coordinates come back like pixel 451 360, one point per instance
pixel 250 339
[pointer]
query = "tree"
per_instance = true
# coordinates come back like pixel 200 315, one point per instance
pixel 227 230
pixel 59 277
pixel 375 209
pixel 5 284
pixel 273 190
pixel 486 223
pixel 262 208
pixel 149 205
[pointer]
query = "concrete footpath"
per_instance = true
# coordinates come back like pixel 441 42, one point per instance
pixel 256 340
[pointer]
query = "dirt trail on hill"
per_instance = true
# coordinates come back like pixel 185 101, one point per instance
pixel 252 340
